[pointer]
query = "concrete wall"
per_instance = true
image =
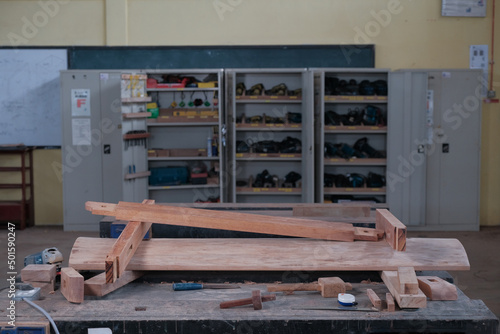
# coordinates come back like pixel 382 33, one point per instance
pixel 407 34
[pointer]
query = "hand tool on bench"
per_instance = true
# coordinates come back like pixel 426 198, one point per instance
pixel 199 286
pixel 330 287
pixel 256 300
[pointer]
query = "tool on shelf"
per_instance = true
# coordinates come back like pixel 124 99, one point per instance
pixel 199 286
pixel 136 138
pixel 256 300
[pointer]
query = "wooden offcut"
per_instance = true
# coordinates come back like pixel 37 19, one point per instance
pixel 275 254
pixel 436 288
pixel 376 301
pixel 243 222
pixel 125 247
pixel 391 307
pixel 395 231
pixel 97 285
pixel 418 300
pixel 39 273
pixel 72 285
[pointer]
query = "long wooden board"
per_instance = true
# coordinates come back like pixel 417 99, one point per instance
pixel 244 222
pixel 275 254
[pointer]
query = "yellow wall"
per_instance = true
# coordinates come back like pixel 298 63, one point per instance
pixel 407 34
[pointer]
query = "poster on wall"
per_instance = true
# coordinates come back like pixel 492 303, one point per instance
pixel 464 8
pixel 80 102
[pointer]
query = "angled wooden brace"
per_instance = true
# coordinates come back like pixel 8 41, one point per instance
pixel 125 247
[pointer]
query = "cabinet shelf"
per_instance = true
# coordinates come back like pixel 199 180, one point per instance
pixel 354 191
pixel 184 186
pixel 268 99
pixel 355 162
pixel 182 89
pixel 170 122
pixel 268 127
pixel 355 99
pixel 269 156
pixel 200 158
pixel 137 175
pixel 355 129
pixel 135 115
pixel 136 99
pixel 268 191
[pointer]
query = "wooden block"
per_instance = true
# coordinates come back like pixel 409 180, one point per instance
pixel 408 283
pixel 234 221
pixel 436 288
pixel 72 285
pixel 367 234
pixel 45 288
pixel 291 287
pixel 331 286
pixel 376 301
pixel 391 307
pixel 39 273
pixel 418 300
pixel 97 286
pixel 395 231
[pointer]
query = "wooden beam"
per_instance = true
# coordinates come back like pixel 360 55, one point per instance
pixel 39 273
pixel 280 254
pixel 332 210
pixel 376 301
pixel 408 283
pixel 97 285
pixel 436 288
pixel 72 285
pixel 244 222
pixel 418 300
pixel 395 231
pixel 125 246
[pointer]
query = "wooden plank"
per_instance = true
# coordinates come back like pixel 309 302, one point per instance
pixel 395 231
pixel 97 285
pixel 332 210
pixel 46 288
pixel 367 234
pixel 275 254
pixel 418 300
pixel 125 247
pixel 72 285
pixel 408 283
pixel 376 301
pixel 39 273
pixel 436 288
pixel 391 307
pixel 163 214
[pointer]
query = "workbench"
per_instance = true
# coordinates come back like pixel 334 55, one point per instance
pixel 151 306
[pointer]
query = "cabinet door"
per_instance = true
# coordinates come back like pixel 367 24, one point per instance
pixel 406 147
pixel 453 167
pixel 81 150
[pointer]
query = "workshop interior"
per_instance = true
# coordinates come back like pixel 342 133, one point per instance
pixel 235 166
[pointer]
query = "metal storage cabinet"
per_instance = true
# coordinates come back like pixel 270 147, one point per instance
pixel 375 131
pixel 434 166
pixel 95 170
pixel 256 119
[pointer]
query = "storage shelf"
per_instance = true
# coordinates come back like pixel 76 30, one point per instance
pixel 268 191
pixel 354 191
pixel 268 99
pixel 129 136
pixel 268 127
pixel 208 123
pixel 136 99
pixel 269 156
pixel 134 115
pixel 355 129
pixel 182 158
pixel 355 99
pixel 137 175
pixel 355 162
pixel 185 186
pixel 182 89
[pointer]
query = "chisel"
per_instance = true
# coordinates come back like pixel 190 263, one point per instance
pixel 198 286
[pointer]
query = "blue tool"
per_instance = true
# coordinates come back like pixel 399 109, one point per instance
pixel 198 286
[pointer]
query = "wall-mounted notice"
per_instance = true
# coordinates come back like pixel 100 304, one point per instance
pixel 80 128
pixel 80 102
pixel 463 8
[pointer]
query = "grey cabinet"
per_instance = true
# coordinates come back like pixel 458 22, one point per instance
pixel 270 147
pixel 434 140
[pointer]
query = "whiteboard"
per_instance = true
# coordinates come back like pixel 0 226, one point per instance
pixel 30 107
